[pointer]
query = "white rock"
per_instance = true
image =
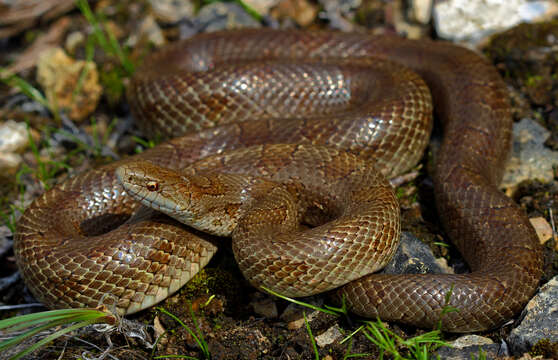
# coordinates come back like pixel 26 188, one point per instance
pixel 13 136
pixel 420 11
pixel 470 340
pixel 472 20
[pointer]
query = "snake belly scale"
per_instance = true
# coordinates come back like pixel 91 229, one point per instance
pixel 325 94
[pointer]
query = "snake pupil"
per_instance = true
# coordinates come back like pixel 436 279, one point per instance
pixel 152 186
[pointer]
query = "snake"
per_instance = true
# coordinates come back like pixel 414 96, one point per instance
pixel 304 126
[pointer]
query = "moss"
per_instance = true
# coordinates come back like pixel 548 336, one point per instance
pixel 113 85
pixel 545 348
pixel 210 281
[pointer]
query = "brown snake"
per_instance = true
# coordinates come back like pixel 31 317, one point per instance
pixel 77 242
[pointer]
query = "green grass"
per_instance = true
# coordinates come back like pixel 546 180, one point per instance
pixel 10 211
pixel 145 144
pixel 104 37
pixel 93 145
pixel 312 339
pixel 420 347
pixel 26 327
pixel 197 335
pixel 25 87
pixel 46 170
pixel 29 90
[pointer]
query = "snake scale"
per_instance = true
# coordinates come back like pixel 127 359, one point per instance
pixel 320 92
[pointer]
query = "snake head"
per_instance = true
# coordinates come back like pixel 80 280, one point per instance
pixel 207 202
pixel 159 188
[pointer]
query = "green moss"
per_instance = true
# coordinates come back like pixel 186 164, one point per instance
pixel 113 85
pixel 209 281
pixel 545 348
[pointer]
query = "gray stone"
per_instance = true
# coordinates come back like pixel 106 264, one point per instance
pixel 293 313
pixel 540 319
pixel 329 336
pixel 224 16
pixel 530 158
pixel 265 307
pixel 414 257
pixel 473 20
pixel 338 13
pixel 470 347
pixel 172 11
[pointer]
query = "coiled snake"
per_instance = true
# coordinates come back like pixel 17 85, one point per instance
pixel 322 92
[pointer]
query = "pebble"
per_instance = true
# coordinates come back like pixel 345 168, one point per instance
pixel 542 228
pixel 13 136
pixel 473 20
pixel 470 347
pixel 59 75
pixel 150 30
pixel 172 11
pixel 265 307
pixel 530 159
pixel 224 16
pixel 262 7
pixel 329 336
pixel 539 319
pixel 420 11
pixel 294 317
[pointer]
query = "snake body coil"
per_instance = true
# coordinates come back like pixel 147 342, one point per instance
pixel 77 243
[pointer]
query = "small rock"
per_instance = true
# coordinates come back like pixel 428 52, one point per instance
pixel 413 257
pixel 543 229
pixel 159 330
pixel 339 14
pixel 405 24
pixel 473 20
pixel 13 136
pixel 530 158
pixel 470 347
pixel 59 76
pixel 329 336
pixel 265 307
pixel 294 317
pixel 540 317
pixel 73 40
pixel 13 140
pixel 150 30
pixel 224 16
pixel 262 7
pixel 9 163
pixel 172 11
pixel 302 12
pixel 420 11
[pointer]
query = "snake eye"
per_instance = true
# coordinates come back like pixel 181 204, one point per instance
pixel 152 186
